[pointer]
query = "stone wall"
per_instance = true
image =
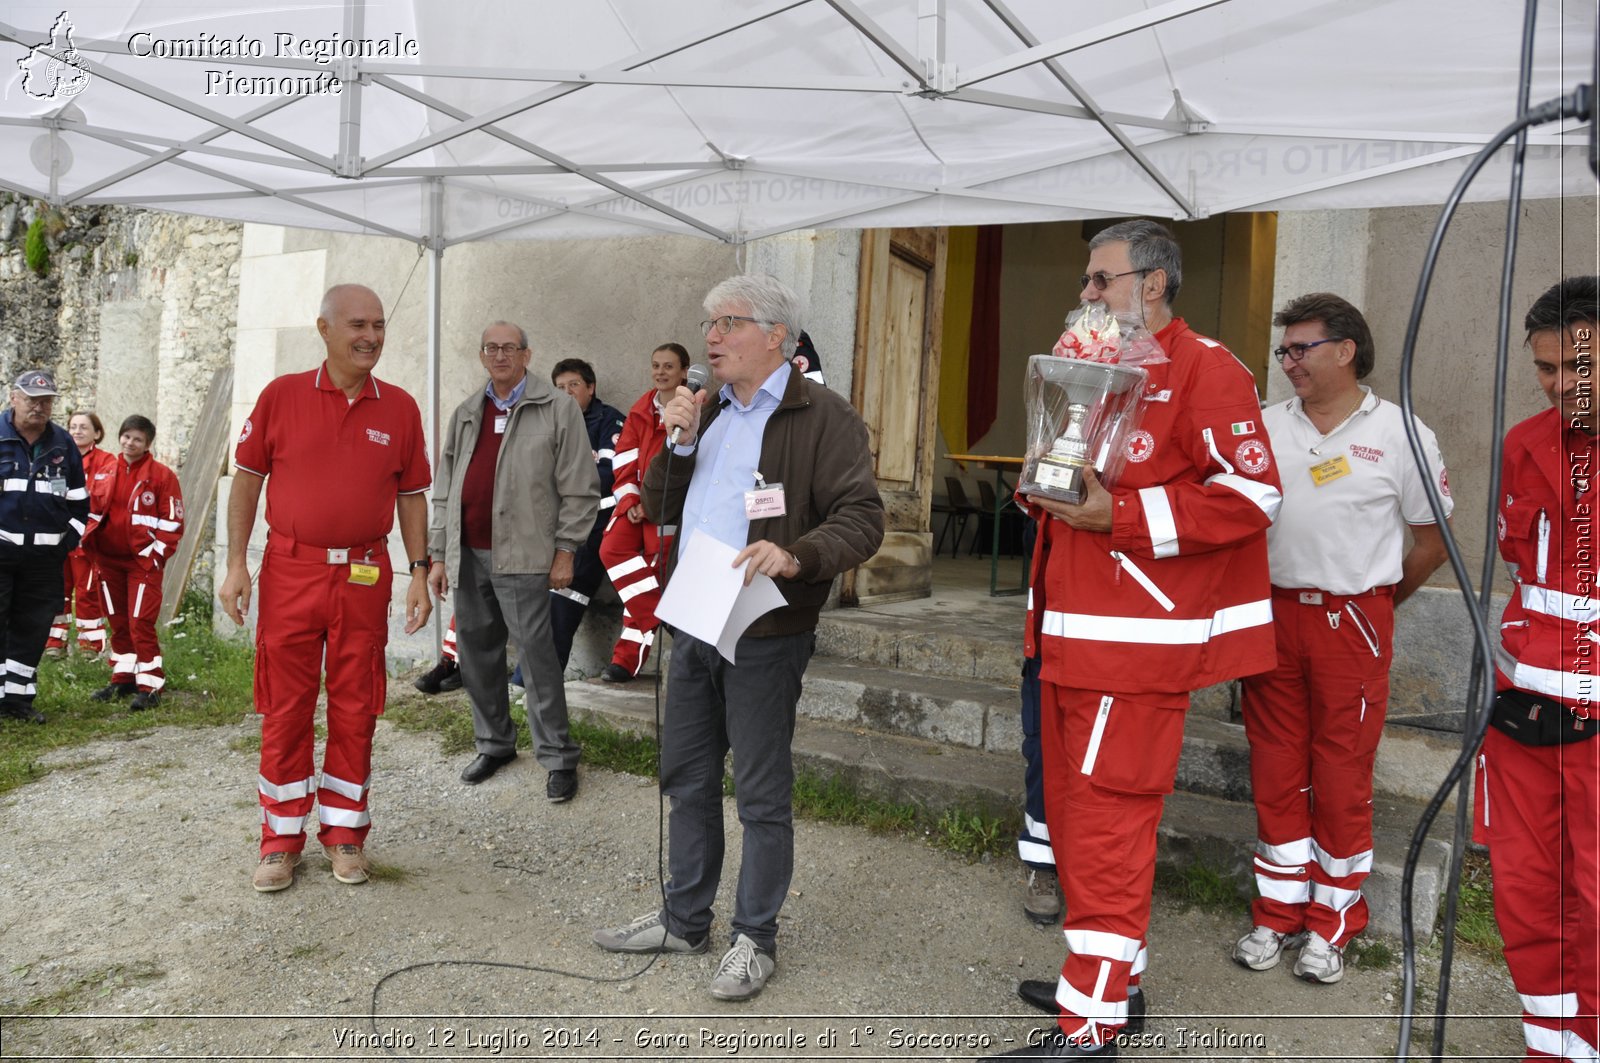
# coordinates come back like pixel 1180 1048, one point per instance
pixel 133 313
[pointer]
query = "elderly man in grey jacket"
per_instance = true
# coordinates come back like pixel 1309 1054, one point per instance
pixel 514 498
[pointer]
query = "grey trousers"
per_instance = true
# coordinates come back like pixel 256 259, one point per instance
pixel 489 610
pixel 713 707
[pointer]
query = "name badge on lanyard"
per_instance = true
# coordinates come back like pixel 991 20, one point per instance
pixel 500 425
pixel 764 500
pixel 366 575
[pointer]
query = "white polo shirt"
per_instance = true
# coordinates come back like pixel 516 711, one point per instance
pixel 1347 496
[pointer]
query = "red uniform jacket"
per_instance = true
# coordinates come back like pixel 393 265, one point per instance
pixel 99 468
pixel 1176 596
pixel 642 437
pixel 1548 641
pixel 139 510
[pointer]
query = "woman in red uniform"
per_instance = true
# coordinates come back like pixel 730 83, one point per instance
pixel 78 576
pixel 141 521
pixel 632 544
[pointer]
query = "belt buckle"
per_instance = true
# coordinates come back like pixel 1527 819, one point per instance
pixel 1310 597
pixel 338 557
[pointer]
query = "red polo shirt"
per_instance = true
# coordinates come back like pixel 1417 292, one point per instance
pixel 333 467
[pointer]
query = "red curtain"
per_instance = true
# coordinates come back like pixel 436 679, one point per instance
pixel 983 365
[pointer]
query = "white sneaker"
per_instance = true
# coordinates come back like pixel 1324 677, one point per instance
pixel 1262 948
pixel 743 972
pixel 647 934
pixel 1320 961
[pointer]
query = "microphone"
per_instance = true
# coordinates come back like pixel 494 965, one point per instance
pixel 698 375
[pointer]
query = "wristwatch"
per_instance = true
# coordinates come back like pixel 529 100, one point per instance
pixel 422 563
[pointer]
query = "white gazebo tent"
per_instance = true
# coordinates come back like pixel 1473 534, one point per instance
pixel 443 123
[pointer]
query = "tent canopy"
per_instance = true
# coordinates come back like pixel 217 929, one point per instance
pixel 736 119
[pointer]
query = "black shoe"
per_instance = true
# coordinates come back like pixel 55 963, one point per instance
pixel 562 785
pixel 615 673
pixel 1135 1024
pixel 434 680
pixel 485 766
pixel 113 690
pixel 145 699
pixel 1038 993
pixel 1049 1044
pixel 16 710
pixel 1042 995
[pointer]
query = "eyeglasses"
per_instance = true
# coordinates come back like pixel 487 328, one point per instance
pixel 1297 351
pixel 724 324
pixel 37 400
pixel 1102 280
pixel 492 349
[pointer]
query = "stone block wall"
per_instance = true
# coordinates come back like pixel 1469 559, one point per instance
pixel 133 312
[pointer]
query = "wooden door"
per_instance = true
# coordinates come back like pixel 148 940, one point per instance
pixel 898 326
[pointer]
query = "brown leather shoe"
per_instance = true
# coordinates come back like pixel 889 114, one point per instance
pixel 349 863
pixel 275 872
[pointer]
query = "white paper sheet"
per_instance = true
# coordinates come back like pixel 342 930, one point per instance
pixel 707 597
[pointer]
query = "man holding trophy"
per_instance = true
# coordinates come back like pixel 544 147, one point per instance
pixel 1141 592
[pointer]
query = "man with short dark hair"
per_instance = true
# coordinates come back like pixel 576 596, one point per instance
pixel 1539 770
pixel 515 498
pixel 780 470
pixel 1140 595
pixel 604 425
pixel 44 506
pixel 1340 567
pixel 341 455
pixel 137 521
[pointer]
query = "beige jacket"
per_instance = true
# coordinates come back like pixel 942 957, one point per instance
pixel 546 490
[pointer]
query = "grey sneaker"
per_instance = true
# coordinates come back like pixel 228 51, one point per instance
pixel 1320 961
pixel 646 934
pixel 1262 948
pixel 743 972
pixel 1041 900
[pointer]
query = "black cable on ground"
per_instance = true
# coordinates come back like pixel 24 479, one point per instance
pixel 1480 676
pixel 1578 104
pixel 661 848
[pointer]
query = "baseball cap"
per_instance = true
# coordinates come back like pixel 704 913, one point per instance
pixel 36 383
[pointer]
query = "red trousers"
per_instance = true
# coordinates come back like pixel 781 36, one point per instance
pixel 629 553
pixel 1109 762
pixel 312 616
pixel 1539 812
pixel 80 583
pixel 448 646
pixel 131 595
pixel 1314 723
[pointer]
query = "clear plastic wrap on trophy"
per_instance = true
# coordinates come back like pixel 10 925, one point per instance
pixel 1080 414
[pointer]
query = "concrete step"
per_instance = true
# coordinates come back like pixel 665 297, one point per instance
pixel 940 775
pixel 1221 834
pixel 975 713
pixel 985 715
pixel 959 643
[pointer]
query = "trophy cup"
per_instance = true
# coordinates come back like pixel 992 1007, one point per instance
pixel 1079 415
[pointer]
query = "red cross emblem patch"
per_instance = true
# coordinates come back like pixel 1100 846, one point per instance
pixel 1253 456
pixel 1140 445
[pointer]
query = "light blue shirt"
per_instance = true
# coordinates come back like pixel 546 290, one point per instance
pixel 729 450
pixel 504 405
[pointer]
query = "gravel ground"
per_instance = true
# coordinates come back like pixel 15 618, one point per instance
pixel 131 931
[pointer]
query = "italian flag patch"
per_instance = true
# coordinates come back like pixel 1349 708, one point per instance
pixel 1244 428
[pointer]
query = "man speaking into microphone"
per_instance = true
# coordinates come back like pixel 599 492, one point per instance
pixel 771 462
